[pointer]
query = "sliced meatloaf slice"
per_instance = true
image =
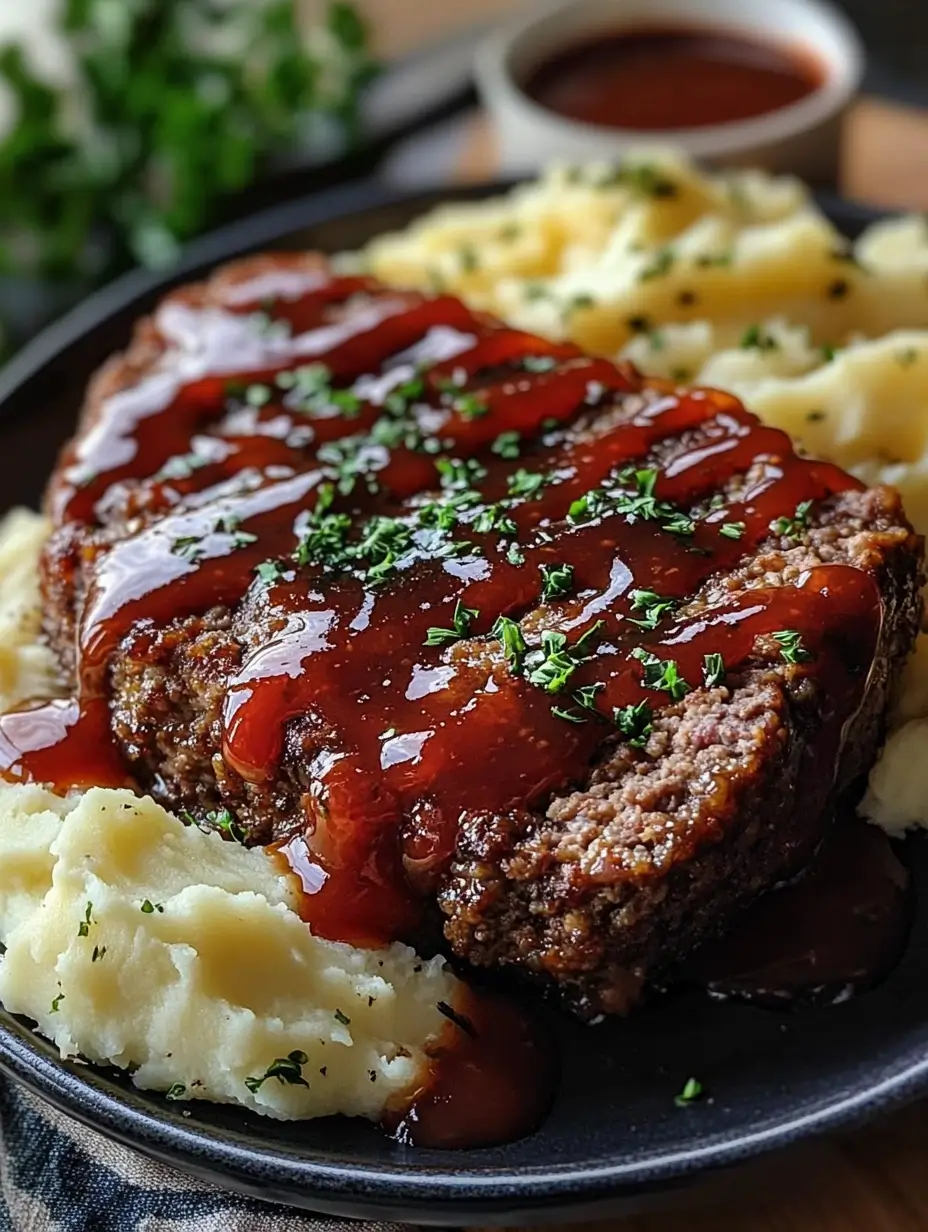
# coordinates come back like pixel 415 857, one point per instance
pixel 485 623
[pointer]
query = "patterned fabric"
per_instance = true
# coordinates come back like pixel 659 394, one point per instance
pixel 57 1176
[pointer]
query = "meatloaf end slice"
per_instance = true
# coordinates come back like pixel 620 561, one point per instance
pixel 604 890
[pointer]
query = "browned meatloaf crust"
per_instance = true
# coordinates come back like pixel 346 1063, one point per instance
pixel 648 851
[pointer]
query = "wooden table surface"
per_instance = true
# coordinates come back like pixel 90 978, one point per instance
pixel 872 1180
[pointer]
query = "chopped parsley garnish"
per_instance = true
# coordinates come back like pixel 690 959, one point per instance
pixel 579 302
pixel 551 666
pixel 468 259
pixel 188 547
pixel 507 445
pixel 342 1018
pixel 56 1003
pixel 639 503
pixel 756 338
pixel 526 483
pixel 556 581
pixel 460 626
pixel 692 1091
pixel 470 406
pixel 98 952
pixel 792 527
pixel 457 475
pixel 270 571
pixel 634 722
pixel 515 555
pixel 224 821
pixel 288 1069
pixel 661 674
pixel 495 518
pixel 568 713
pixel 791 647
pixel 661 264
pixel 461 1021
pixel 309 390
pixel 828 352
pixel 306 380
pixel 594 504
pixel 84 927
pixel 148 907
pixel 653 607
pixel 586 695
pixel 229 525
pixel 177 1090
pixel 906 357
pixel 713 670
pixel 679 524
pixel 732 530
pixel 509 633
pixel 399 399
pixel 258 395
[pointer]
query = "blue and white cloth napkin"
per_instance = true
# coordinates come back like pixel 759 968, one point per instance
pixel 57 1176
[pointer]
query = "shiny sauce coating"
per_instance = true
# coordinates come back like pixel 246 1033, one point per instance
pixel 467 555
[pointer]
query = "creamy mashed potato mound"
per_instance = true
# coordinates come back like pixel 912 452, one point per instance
pixel 737 281
pixel 135 940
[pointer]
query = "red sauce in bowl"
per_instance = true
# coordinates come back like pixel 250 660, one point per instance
pixel 673 78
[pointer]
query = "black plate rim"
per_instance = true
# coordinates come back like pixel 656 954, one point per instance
pixel 539 1193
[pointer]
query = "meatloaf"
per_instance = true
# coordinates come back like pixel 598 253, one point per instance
pixel 462 617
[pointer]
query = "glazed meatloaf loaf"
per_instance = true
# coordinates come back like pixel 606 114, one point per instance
pixel 460 616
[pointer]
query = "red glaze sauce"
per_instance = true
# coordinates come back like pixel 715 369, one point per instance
pixel 491 1080
pixel 432 474
pixel 673 78
pixel 835 931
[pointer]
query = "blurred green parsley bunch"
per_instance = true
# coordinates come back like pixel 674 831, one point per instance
pixel 168 106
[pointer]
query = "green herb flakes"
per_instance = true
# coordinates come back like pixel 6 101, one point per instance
pixel 692 1092
pixel 634 722
pixel 732 530
pixel 507 445
pixel 509 634
pixel 756 338
pixel 661 674
pixel 794 526
pixel 653 607
pixel 460 626
pixel 791 647
pixel 557 581
pixel 288 1069
pixel 713 670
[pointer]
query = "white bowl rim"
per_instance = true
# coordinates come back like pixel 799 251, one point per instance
pixel 843 76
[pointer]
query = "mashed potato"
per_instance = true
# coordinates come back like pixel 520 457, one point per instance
pixel 737 281
pixel 135 940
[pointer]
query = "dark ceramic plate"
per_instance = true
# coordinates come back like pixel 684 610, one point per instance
pixel 614 1134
